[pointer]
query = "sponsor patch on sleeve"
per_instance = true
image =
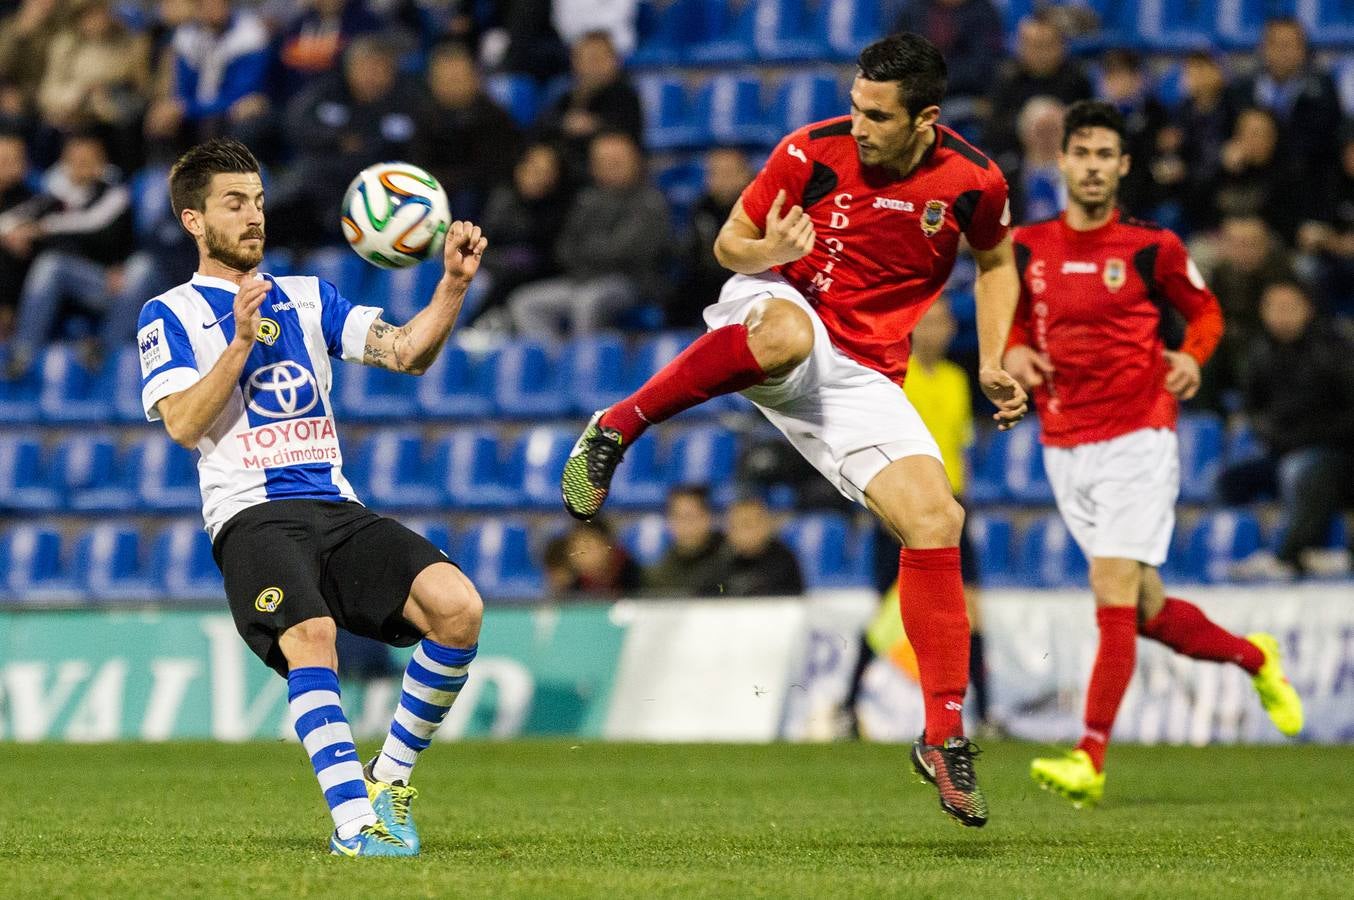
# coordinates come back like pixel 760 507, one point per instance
pixel 153 345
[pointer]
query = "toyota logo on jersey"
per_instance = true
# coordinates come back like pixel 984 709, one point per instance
pixel 282 390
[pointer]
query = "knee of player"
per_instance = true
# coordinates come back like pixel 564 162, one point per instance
pixel 455 611
pixel 780 336
pixel 948 518
pixel 934 524
pixel 312 633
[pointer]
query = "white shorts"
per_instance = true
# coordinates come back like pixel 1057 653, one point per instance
pixel 845 418
pixel 1118 496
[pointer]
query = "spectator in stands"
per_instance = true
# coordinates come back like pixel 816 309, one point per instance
pixel 1300 97
pixel 1190 148
pixel 1124 83
pixel 693 565
pixel 521 38
pixel 573 19
pixel 611 249
pixel 970 35
pixel 602 567
pixel 1298 398
pixel 1041 67
pixel 97 74
pixel 312 43
pixel 25 37
pixel 600 98
pixel 78 231
pixel 1036 186
pixel 726 174
pixel 1259 180
pixel 472 141
pixel 1329 236
pixel 1249 257
pixel 220 71
pixel 14 193
pixel 526 218
pixel 341 123
pixel 757 563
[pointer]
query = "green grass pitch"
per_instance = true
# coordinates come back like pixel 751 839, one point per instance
pixel 550 819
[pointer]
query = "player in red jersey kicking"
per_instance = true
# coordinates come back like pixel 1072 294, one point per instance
pixel 840 244
pixel 1087 341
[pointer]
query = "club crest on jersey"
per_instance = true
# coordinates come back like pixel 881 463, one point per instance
pixel 1116 273
pixel 268 600
pixel 269 331
pixel 933 217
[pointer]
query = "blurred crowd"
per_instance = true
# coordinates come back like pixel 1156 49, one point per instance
pixel 1250 158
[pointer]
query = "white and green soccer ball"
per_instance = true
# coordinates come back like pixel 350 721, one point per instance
pixel 395 215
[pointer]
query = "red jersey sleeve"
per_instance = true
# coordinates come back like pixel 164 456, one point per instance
pixel 992 216
pixel 1184 288
pixel 788 169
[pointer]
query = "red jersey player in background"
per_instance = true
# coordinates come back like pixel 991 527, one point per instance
pixel 1087 341
pixel 841 243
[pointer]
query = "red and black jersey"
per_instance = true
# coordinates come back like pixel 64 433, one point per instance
pixel 1093 301
pixel 885 244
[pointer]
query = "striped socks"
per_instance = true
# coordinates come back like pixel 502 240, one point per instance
pixel 313 695
pixel 434 677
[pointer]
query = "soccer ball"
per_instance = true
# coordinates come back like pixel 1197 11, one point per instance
pixel 395 215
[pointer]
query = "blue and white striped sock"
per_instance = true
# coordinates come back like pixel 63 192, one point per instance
pixel 313 695
pixel 434 677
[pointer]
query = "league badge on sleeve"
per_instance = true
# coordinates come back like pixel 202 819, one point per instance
pixel 153 346
pixel 933 217
pixel 1116 273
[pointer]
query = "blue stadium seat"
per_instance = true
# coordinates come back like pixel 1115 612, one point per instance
pixel 1169 85
pixel 728 109
pixel 19 397
pixel 1118 21
pixel 28 480
pixel 668 124
pixel 402 292
pixel 496 556
pixel 342 268
pixel 369 394
pixel 646 538
pixel 682 183
pixel 641 479
pixel 517 94
pixel 31 566
pixel 1218 540
pixel 822 542
pixel 986 483
pixel 182 560
pixel 1023 458
pixel 539 455
pixel 435 530
pixel 597 366
pixel 167 478
pixel 95 476
pixel 400 475
pixel 1049 557
pixel 1241 444
pixel 108 562
pixel 850 25
pixel 459 385
pixel 805 97
pixel 991 536
pixel 1329 23
pixel 1177 25
pixel 1239 24
pixel 788 31
pixel 527 381
pixel 665 29
pixel 474 476
pixel 125 371
pixel 704 455
pixel 724 32
pixel 72 393
pixel 357 463
pixel 1200 456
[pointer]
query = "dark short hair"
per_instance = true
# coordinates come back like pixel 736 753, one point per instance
pixel 913 62
pixel 192 174
pixel 1092 114
pixel 698 492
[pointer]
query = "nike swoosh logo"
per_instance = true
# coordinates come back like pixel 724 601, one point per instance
pixel 218 321
pixel 930 770
pixel 349 752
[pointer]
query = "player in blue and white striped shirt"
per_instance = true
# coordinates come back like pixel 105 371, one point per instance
pixel 237 365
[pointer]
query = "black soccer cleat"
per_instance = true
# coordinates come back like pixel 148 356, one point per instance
pixel 949 766
pixel 586 479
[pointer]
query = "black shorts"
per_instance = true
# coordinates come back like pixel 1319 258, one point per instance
pixel 286 561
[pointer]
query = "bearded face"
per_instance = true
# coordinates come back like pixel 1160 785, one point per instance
pixel 241 252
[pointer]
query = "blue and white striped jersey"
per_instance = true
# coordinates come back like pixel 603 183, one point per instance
pixel 275 439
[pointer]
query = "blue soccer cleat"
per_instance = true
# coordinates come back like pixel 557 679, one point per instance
pixel 392 800
pixel 372 840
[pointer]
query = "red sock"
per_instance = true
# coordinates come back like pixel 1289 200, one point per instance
pixel 717 362
pixel 931 595
pixel 1184 628
pixel 1109 678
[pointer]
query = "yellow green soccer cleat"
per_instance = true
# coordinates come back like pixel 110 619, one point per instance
pixel 1073 776
pixel 586 479
pixel 1277 696
pixel 391 801
pixel 372 840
